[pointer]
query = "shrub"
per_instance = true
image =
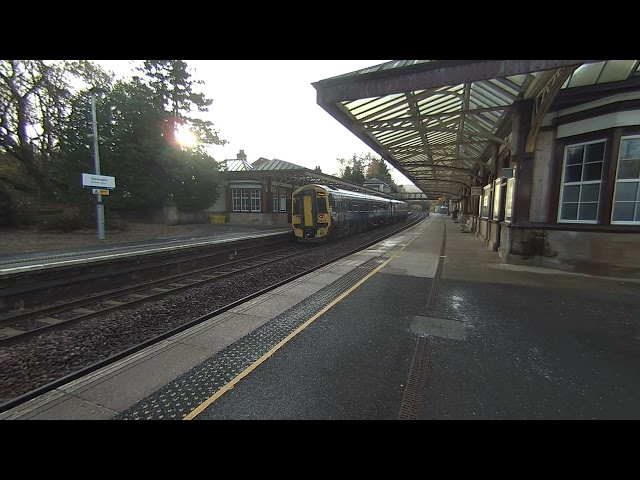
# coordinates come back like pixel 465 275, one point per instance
pixel 66 219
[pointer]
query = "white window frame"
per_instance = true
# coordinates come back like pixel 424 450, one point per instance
pixel 245 199
pixel 235 200
pixel 274 202
pixel 624 180
pixel 580 183
pixel 255 199
pixel 283 203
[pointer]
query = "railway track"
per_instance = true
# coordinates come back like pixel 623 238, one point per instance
pixel 41 360
pixel 28 289
pixel 20 327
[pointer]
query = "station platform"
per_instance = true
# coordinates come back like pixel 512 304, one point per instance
pixel 426 325
pixel 50 256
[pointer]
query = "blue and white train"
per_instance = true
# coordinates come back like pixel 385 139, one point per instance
pixel 321 213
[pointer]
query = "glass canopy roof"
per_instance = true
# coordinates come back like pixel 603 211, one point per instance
pixel 433 120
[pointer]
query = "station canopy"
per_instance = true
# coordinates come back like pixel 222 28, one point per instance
pixel 433 120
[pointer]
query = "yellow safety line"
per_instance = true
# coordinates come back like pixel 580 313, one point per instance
pixel 264 357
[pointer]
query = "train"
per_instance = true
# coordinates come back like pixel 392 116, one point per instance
pixel 321 213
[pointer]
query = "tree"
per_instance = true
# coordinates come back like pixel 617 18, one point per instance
pixel 46 127
pixel 377 168
pixel 148 169
pixel 34 98
pixel 352 170
pixel 136 147
pixel 131 145
pixel 173 88
pixel 194 173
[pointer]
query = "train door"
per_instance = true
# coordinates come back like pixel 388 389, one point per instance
pixel 337 208
pixel 308 204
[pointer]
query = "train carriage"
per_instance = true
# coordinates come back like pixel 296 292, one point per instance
pixel 320 213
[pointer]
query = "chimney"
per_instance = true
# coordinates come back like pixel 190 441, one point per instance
pixel 241 155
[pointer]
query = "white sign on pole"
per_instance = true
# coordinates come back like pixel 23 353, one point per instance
pixel 101 181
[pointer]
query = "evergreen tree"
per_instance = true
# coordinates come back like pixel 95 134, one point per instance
pixel 352 170
pixel 194 173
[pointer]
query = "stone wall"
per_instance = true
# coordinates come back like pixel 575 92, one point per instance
pixel 596 253
pixel 256 218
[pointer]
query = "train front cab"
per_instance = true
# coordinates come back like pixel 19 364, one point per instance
pixel 310 218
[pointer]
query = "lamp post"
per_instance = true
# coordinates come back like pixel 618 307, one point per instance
pixel 96 161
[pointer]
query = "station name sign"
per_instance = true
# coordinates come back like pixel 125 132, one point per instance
pixel 100 181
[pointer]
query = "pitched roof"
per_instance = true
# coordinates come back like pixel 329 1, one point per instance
pixel 275 164
pixel 238 165
pixel 374 180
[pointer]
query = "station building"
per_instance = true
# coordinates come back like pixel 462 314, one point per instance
pixel 259 192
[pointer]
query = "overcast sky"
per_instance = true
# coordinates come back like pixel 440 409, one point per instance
pixel 268 109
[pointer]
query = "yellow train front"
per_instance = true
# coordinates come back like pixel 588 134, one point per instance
pixel 310 214
pixel 321 213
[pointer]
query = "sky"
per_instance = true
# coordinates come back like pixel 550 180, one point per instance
pixel 268 109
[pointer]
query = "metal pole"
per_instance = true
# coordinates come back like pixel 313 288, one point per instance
pixel 96 161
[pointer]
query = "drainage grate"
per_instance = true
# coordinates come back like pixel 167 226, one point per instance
pixel 415 384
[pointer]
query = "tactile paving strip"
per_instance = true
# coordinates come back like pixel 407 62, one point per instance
pixel 177 399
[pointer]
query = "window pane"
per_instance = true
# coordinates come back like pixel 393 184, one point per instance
pixel 573 174
pixel 637 217
pixel 594 152
pixel 569 211
pixel 629 169
pixel 588 211
pixel 623 211
pixel 582 176
pixel 630 148
pixel 574 155
pixel 571 193
pixel 626 191
pixel 589 193
pixel 592 171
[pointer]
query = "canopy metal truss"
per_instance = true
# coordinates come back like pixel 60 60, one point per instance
pixel 439 122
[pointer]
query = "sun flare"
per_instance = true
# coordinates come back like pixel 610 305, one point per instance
pixel 185 137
